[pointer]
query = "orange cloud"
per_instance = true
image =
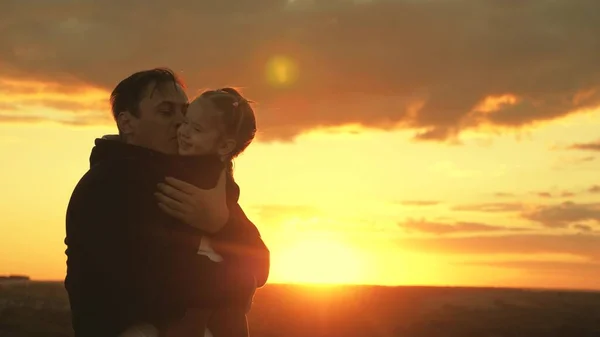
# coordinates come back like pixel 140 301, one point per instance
pixel 583 245
pixel 490 207
pixel 580 269
pixel 31 101
pixel 438 228
pixel 437 67
pixel 491 104
pixel 590 146
pixel 564 214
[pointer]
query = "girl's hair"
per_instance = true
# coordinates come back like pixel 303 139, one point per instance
pixel 237 119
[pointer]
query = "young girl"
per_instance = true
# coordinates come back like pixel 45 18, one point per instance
pixel 223 123
pixel 219 122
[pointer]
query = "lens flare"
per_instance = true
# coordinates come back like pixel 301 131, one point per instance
pixel 281 71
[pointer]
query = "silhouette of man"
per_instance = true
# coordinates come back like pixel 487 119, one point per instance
pixel 127 261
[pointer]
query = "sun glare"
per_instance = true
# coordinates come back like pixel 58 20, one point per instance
pixel 320 260
pixel 281 71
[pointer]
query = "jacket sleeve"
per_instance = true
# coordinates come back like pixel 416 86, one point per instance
pixel 241 241
pixel 148 261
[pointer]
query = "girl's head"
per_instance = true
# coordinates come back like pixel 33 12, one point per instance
pixel 218 122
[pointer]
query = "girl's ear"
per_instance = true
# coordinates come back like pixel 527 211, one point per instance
pixel 226 147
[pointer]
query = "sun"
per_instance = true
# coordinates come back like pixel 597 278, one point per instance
pixel 319 260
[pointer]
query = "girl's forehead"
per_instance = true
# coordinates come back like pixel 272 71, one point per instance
pixel 202 111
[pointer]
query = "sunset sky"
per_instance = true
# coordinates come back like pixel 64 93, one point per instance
pixel 434 142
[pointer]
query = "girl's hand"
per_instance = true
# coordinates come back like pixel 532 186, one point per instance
pixel 204 209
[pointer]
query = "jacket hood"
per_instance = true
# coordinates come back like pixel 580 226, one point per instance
pixel 191 169
pixel 111 147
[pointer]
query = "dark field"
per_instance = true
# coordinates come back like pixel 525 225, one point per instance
pixel 41 309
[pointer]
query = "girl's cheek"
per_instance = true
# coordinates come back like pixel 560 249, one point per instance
pixel 197 141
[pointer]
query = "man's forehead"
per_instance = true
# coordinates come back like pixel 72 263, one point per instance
pixel 165 92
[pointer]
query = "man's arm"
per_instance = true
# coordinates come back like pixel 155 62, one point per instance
pixel 147 261
pixel 216 212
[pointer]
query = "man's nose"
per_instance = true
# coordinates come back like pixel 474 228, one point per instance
pixel 179 118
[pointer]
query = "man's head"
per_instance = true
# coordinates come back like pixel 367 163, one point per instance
pixel 148 107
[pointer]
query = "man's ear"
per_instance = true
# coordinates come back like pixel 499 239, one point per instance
pixel 126 123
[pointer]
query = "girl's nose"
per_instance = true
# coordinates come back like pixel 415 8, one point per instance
pixel 182 130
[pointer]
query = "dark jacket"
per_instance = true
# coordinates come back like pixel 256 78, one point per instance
pixel 129 262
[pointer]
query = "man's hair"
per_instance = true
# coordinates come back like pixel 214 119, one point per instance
pixel 129 92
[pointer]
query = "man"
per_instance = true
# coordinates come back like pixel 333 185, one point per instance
pixel 128 262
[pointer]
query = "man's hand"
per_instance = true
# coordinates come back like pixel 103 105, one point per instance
pixel 204 209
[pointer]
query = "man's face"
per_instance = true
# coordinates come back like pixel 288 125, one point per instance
pixel 161 112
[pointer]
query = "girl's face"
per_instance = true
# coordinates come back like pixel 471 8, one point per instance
pixel 200 132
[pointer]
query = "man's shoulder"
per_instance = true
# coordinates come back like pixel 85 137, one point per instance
pixel 113 174
pixel 104 171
